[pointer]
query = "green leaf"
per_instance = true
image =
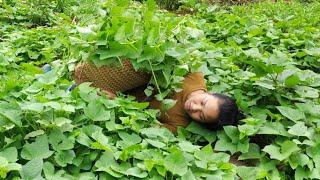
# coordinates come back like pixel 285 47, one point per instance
pixel 292 80
pixel 130 138
pixel 68 108
pixel 248 173
pixel 253 153
pixel 63 158
pixel 84 30
pixel 12 112
pixel 196 128
pixel 155 133
pixel 32 169
pixel 299 129
pixel 3 162
pixel 149 164
pixel 33 55
pixel 48 78
pixel 313 52
pixel 10 154
pixel 54 105
pixel 176 163
pixel 275 128
pixel 115 50
pixel 307 92
pixel 214 78
pixel 290 113
pixel 194 33
pixel 120 36
pixel 298 159
pixel 176 52
pixel 188 176
pixel 59 141
pixel 48 170
pixel 153 36
pixel 282 152
pixel 168 103
pixel 187 146
pixel 274 152
pixel 136 172
pixel 205 154
pixel 155 143
pixel 265 84
pixel 96 111
pixel 37 107
pixel 232 132
pixel 102 141
pixel 301 174
pixel 3 60
pixel 247 130
pixel 34 134
pixel 309 108
pixel 105 161
pixel 14 167
pixel 38 149
pixel 225 144
pixel 253 52
pixel 148 91
pixel 121 168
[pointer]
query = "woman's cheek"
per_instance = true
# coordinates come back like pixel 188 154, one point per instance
pixel 196 116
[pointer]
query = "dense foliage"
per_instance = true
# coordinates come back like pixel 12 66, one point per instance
pixel 265 55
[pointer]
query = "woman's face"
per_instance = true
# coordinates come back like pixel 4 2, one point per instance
pixel 202 107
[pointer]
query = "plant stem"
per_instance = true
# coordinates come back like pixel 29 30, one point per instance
pixel 154 77
pixel 119 59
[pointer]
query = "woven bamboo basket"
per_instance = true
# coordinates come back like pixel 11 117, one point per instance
pixel 111 78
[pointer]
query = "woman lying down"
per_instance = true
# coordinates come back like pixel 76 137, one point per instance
pixel 193 103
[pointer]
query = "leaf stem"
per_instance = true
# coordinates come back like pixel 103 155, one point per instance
pixel 154 77
pixel 182 21
pixel 119 59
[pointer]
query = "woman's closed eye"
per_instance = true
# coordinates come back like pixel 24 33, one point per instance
pixel 203 103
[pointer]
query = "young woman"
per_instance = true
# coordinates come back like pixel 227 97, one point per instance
pixel 193 103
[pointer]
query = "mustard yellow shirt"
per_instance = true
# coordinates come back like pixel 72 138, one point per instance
pixel 176 116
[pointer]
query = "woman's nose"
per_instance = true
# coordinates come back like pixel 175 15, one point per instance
pixel 196 107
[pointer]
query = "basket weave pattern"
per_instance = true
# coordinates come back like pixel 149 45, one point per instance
pixel 111 78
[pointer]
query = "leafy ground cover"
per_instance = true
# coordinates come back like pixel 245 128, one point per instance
pixel 266 55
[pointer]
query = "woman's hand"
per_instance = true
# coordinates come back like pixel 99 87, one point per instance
pixel 110 94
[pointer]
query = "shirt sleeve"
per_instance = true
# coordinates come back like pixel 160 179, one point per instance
pixel 193 82
pixel 176 115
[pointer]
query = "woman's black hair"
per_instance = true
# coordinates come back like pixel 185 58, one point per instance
pixel 229 114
